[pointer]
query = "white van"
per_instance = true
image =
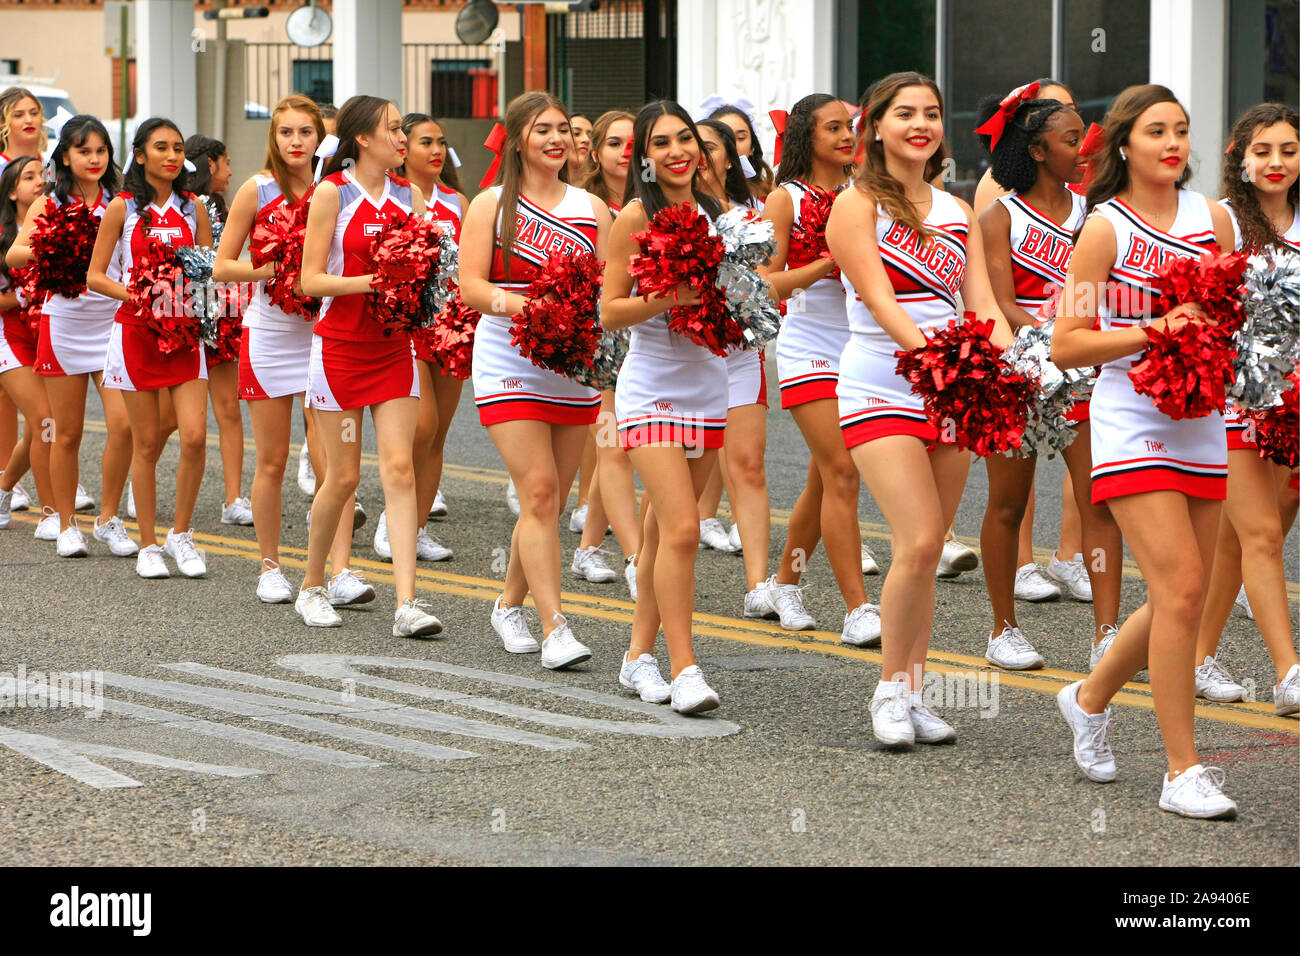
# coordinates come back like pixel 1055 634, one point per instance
pixel 51 99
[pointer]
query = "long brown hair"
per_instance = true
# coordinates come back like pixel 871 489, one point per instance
pixel 1108 169
pixel 595 179
pixel 359 115
pixel 520 116
pixel 274 161
pixel 8 100
pixel 1256 229
pixel 872 174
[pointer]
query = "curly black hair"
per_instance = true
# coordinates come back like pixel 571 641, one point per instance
pixel 1256 229
pixel 1013 167
pixel 796 144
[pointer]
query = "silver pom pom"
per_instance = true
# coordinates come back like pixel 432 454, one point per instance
pixel 214 218
pixel 749 242
pixel 1268 343
pixel 1046 430
pixel 440 287
pixel 607 360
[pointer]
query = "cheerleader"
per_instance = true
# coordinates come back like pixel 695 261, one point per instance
pixel 672 405
pixel 21 122
pixel 817 156
pixel 536 418
pixel 155 201
pixel 739 116
pixel 580 164
pixel 906 250
pixel 353 364
pixel 611 501
pixel 20 187
pixel 73 343
pixel 1162 479
pixel 987 190
pixel 1028 235
pixel 430 166
pixel 1260 175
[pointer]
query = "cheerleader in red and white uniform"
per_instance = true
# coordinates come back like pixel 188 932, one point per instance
pixel 1260 176
pixel 671 401
pixel 353 364
pixel 155 202
pixel 537 418
pixel 907 250
pixel 74 344
pixel 816 160
pixel 739 115
pixel 1164 480
pixel 1028 235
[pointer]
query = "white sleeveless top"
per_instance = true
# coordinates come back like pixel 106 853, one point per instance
pixel 1040 249
pixel 1291 237
pixel 261 314
pixel 653 336
pixel 823 301
pixel 88 305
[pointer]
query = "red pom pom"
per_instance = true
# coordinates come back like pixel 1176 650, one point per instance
pixel 30 299
pixel 157 289
pixel 808 235
pixel 277 237
pixel 404 254
pixel 62 241
pixel 235 297
pixel 559 328
pixel 972 395
pixel 1277 429
pixel 452 337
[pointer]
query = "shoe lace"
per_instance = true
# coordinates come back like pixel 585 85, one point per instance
pixel 598 555
pixel 1209 781
pixel 418 604
pixel 1099 738
pixel 789 598
pixel 1217 672
pixel 114 528
pixel 185 546
pixel 897 705
pixel 1012 638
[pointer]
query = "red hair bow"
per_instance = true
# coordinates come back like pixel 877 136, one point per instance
pixel 1093 141
pixel 996 124
pixel 779 118
pixel 496 141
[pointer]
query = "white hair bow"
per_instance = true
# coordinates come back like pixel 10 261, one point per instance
pixel 59 120
pixel 715 101
pixel 747 167
pixel 455 160
pixel 327 148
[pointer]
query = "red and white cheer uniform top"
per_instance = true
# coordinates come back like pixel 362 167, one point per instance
pixel 1040 250
pixel 174 222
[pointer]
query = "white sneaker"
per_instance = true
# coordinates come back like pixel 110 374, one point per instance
pixel 927 726
pixel 758 602
pixel 358 515
pixel 47 529
pixel 1286 693
pixel 1010 650
pixel 956 559
pixel 629 574
pixel 642 675
pixel 22 500
pixel 1242 603
pixel 149 563
pixel 869 565
pixel 6 508
pixel 346 588
pixel 733 538
pixel 891 714
pixel 788 601
pixel 84 501
pixel 1091 735
pixel 382 548
pixel 306 474
pixel 239 511
pixel 1213 682
pixel 429 548
pixel 562 649
pixel 590 563
pixel 1197 792
pixel 862 627
pixel 690 694
pixel 412 620
pixel 439 509
pixel 1032 586
pixel 272 588
pixel 1108 632
pixel 71 542
pixel 130 501
pixel 512 497
pixel 1071 575
pixel 578 519
pixel 314 605
pixel 712 535
pixel 189 560
pixel 511 625
pixel 113 533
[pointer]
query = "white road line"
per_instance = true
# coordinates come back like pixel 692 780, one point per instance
pixel 57 755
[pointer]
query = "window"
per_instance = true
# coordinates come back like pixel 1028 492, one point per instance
pixel 462 89
pixel 1263 54
pixel 314 78
pixel 1106 48
pixel 879 37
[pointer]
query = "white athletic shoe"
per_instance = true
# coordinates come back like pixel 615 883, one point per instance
pixel 22 500
pixel 578 519
pixel 642 676
pixel 1242 603
pixel 189 560
pixel 314 605
pixel 113 533
pixel 1011 651
pixel 83 501
pixel 512 497
pixel 862 627
pixel 691 694
pixel 629 574
pixel 956 559
pixel 1213 682
pixel 1108 632
pixel 927 726
pixel 733 538
pixel 382 547
pixel 306 474
pixel 713 535
pixel 511 625
pixel 346 588
pixel 71 542
pixel 6 508
pixel 130 501
pixel 1070 575
pixel 272 588
pixel 891 714
pixel 1032 586
pixel 47 529
pixel 1197 792
pixel 1091 735
pixel 1286 693
pixel 758 602
pixel 439 509
pixel 149 563
pixel 239 511
pixel 562 649
pixel 412 620
pixel 869 565
pixel 590 563
pixel 788 601
pixel 429 548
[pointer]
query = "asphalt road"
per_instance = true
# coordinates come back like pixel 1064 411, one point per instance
pixel 241 736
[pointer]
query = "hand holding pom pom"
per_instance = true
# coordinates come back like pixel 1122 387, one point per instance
pixel 808 234
pixel 451 336
pixel 1277 429
pixel 277 237
pixel 559 328
pixel 62 241
pixel 157 289
pixel 409 255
